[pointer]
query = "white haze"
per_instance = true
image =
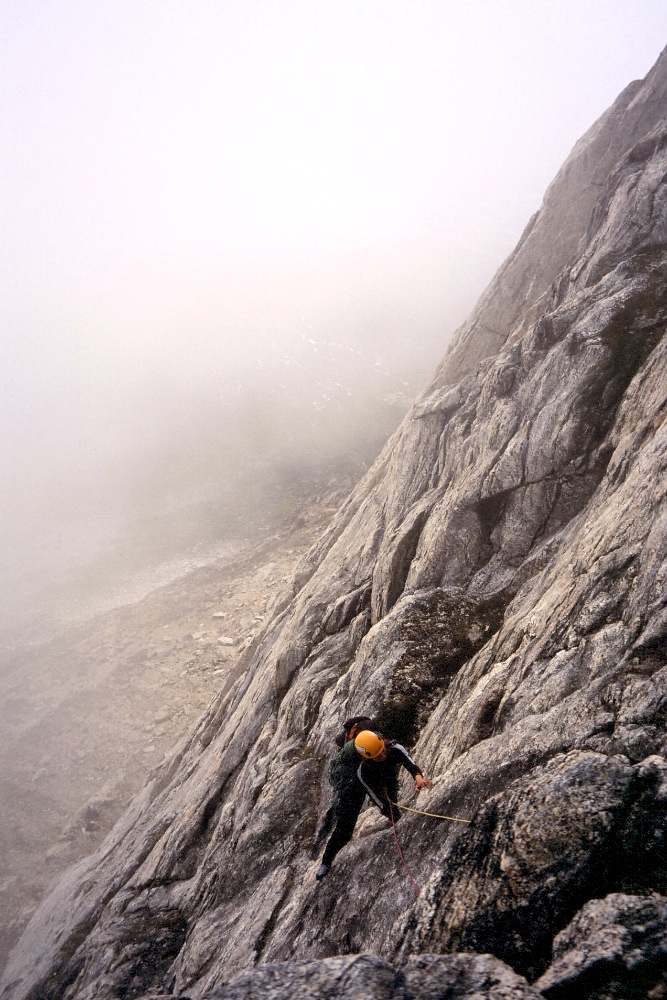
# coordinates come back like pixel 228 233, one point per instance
pixel 230 227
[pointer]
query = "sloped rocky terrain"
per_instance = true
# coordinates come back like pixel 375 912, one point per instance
pixel 494 592
pixel 88 712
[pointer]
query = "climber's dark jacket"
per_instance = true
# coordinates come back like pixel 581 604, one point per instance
pixel 380 778
pixel 377 779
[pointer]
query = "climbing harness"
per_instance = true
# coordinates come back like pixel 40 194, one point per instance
pixel 398 848
pixel 420 812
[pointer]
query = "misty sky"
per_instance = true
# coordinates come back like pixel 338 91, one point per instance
pixel 191 185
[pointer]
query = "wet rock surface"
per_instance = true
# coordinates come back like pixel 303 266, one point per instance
pixel 495 591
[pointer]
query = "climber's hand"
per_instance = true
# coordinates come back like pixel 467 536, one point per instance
pixel 421 782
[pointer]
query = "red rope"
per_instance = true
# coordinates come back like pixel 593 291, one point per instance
pixel 400 852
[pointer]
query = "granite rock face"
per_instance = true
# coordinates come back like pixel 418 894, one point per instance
pixel 494 592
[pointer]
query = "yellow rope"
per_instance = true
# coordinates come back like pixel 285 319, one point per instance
pixel 452 819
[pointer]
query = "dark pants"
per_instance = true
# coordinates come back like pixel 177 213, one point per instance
pixel 347 809
pixel 350 800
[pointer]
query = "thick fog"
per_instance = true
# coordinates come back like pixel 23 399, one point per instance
pixel 237 237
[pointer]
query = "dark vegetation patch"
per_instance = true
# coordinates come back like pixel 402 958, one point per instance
pixel 441 634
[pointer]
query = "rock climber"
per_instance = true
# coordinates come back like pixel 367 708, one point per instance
pixel 367 765
pixel 350 729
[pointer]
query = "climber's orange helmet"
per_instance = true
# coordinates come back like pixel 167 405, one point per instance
pixel 369 744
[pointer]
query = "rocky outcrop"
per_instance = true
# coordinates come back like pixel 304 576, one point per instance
pixel 570 831
pixel 365 977
pixel 430 977
pixel 614 947
pixel 494 591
